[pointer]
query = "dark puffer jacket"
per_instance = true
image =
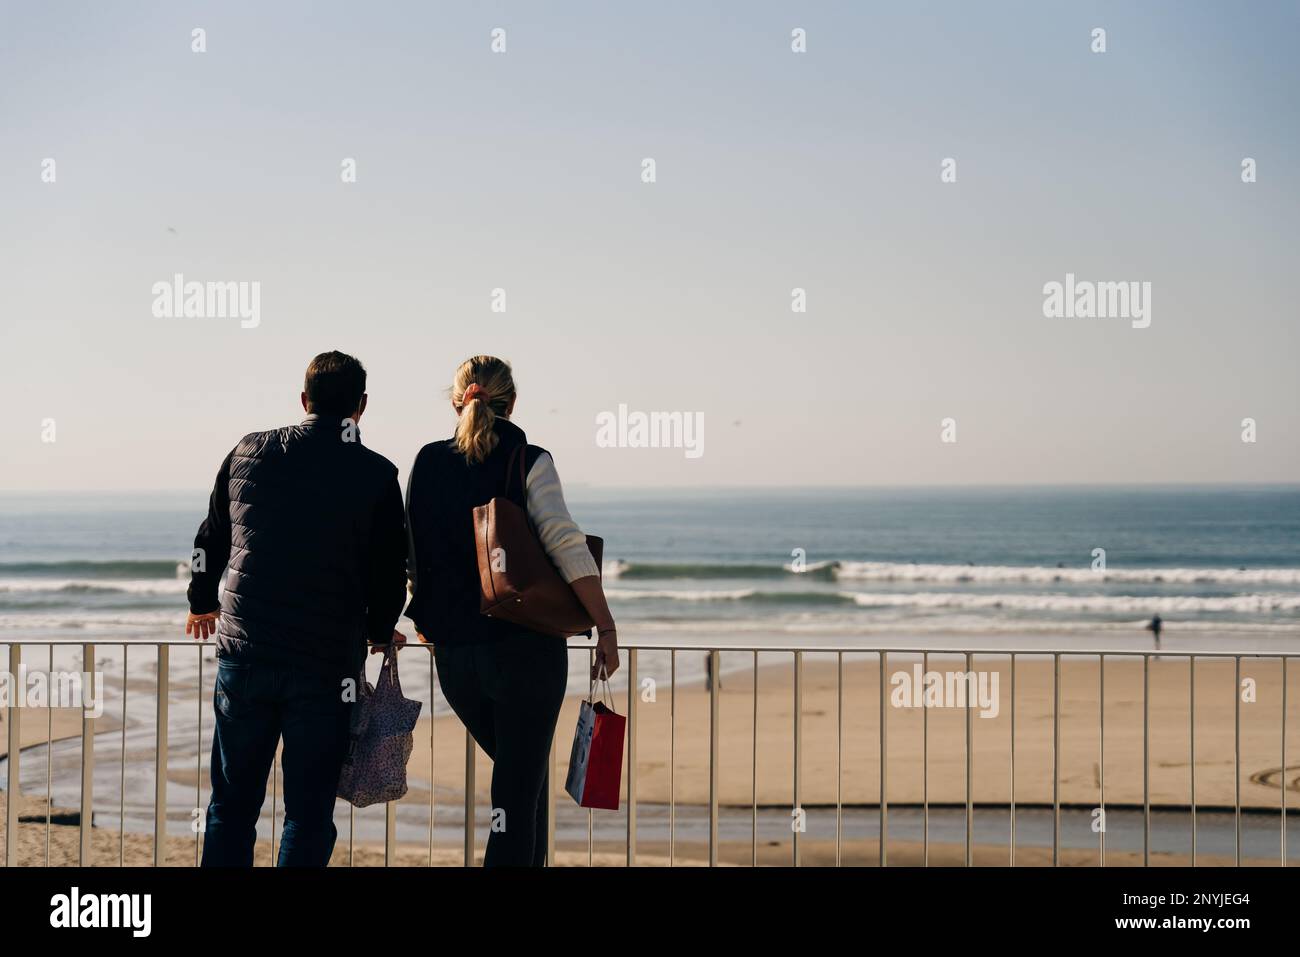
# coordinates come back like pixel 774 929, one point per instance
pixel 311 525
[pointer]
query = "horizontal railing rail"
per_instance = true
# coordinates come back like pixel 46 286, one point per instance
pixel 162 695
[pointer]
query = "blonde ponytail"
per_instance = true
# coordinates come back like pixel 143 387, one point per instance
pixel 481 390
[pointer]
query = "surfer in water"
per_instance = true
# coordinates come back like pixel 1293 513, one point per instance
pixel 1154 627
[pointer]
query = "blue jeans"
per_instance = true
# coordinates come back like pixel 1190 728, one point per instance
pixel 256 704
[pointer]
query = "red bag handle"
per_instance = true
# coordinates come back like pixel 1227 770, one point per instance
pixel 607 693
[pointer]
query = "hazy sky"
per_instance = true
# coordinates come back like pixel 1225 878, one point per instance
pixel 821 170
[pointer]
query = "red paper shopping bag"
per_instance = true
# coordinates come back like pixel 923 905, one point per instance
pixel 596 760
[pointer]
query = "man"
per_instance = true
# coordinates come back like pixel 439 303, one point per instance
pixel 311 524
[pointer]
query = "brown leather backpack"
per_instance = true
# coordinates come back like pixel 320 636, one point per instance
pixel 518 582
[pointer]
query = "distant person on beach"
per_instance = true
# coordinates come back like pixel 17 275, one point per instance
pixel 505 683
pixel 311 525
pixel 1154 627
pixel 709 677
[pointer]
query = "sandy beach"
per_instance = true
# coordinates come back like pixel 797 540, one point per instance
pixel 36 726
pixel 1080 764
pixel 859 777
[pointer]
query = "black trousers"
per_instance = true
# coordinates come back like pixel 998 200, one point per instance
pixel 508 693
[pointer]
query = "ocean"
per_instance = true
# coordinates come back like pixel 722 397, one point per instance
pixel 965 567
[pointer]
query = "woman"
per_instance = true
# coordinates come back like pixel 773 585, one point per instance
pixel 504 682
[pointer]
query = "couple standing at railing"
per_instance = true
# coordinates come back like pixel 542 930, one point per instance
pixel 320 548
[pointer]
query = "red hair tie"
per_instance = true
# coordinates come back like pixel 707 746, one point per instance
pixel 474 391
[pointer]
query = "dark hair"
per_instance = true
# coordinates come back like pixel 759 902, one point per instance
pixel 334 384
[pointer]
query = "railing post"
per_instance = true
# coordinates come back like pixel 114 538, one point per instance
pixel 884 761
pixel 1236 756
pixel 672 757
pixel 549 785
pixel 14 793
pixel 275 802
pixel 714 660
pixel 433 723
pixel 87 759
pixel 1013 761
pixel 469 799
pixel 160 761
pixel 631 757
pixel 753 775
pixel 198 757
pixel 550 808
pixel 49 761
pixel 1146 760
pixel 121 792
pixel 390 832
pixel 798 751
pixel 1191 731
pixel 925 767
pixel 839 757
pixel 1101 758
pixel 970 762
pixel 1056 759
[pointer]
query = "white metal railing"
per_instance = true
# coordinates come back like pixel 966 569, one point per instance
pixel 163 649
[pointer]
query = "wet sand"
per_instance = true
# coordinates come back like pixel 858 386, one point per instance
pixel 36 726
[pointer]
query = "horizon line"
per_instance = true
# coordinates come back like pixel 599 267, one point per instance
pixel 724 487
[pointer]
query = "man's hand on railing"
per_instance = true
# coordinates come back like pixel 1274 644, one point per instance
pixel 202 626
pixel 398 639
